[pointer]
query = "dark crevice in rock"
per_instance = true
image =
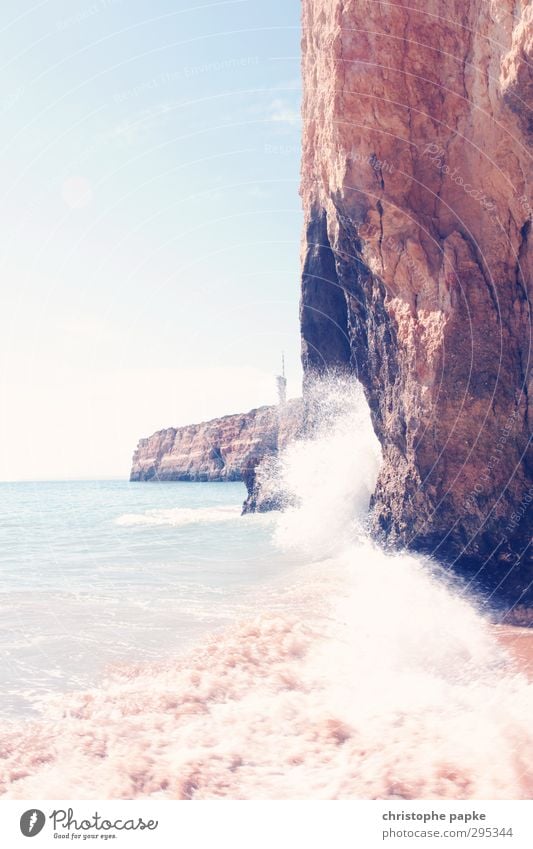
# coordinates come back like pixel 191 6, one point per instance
pixel 323 310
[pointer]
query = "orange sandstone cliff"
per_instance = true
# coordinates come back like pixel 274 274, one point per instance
pixel 224 449
pixel 417 263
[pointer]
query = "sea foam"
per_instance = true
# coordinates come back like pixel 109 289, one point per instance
pixel 370 676
pixel 180 516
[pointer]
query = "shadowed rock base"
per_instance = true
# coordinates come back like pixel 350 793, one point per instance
pixel 417 263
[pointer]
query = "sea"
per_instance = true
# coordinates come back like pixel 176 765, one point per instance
pixel 155 643
pixel 98 573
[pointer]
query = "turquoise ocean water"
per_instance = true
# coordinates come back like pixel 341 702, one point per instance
pixel 154 643
pixel 97 573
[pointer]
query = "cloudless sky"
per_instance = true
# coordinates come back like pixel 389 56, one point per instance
pixel 150 222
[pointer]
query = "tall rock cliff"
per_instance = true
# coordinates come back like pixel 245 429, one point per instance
pixel 417 262
pixel 224 449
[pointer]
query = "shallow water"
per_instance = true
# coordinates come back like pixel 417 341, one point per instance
pixel 99 573
pixel 340 671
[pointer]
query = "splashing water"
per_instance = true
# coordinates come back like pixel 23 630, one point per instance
pixel 329 477
pixel 369 677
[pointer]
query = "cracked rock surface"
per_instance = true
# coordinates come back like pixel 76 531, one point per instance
pixel 417 263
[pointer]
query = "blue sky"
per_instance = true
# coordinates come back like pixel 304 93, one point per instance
pixel 150 219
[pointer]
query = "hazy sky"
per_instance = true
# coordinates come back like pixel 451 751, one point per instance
pixel 150 222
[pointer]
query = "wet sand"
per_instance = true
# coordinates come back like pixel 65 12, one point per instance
pixel 519 641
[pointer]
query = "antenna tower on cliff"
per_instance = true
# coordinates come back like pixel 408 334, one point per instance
pixel 281 380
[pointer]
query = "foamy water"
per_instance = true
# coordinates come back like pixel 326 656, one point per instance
pixel 180 516
pixel 359 675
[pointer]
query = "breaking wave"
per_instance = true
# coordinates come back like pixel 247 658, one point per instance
pixel 180 516
pixel 368 677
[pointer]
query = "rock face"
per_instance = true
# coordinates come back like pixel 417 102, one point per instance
pixel 225 449
pixel 417 261
pixel 261 478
